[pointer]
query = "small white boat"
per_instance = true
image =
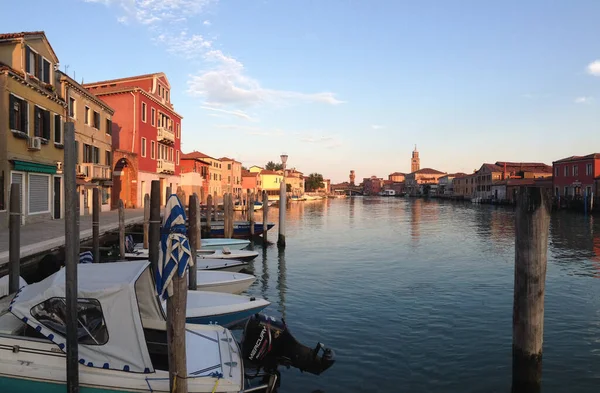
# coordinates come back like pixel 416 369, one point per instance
pixel 140 253
pixel 113 297
pixel 222 309
pixel 224 265
pixel 219 243
pixel 225 282
pixel 238 206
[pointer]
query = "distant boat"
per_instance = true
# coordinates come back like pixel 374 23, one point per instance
pixel 140 253
pixel 225 282
pixel 241 229
pixel 224 265
pixel 313 197
pixel 296 198
pixel 238 206
pixel 217 244
pixel 388 193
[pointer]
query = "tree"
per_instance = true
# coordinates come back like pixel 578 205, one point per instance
pixel 244 168
pixel 271 166
pixel 314 182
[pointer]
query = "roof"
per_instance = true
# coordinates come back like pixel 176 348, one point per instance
pixel 113 285
pixel 194 155
pixel 229 159
pixel 246 173
pixel 524 166
pixel 397 174
pixel 66 78
pixel 129 78
pixel 430 171
pixel 26 34
pixel 268 172
pixel 593 156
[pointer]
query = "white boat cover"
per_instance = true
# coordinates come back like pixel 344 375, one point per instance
pixel 122 346
pixel 4 285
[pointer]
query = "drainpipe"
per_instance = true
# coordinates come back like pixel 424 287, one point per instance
pixel 134 123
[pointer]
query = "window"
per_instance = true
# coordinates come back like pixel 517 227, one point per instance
pixel 178 132
pixel 41 125
pixel 57 129
pixel 556 171
pixel 566 171
pixel 167 96
pixel 96 155
pixel 228 167
pixel 177 154
pixel 143 147
pixel 37 65
pixel 72 107
pixel 144 112
pixel 45 77
pixel 18 114
pixel 228 179
pixel 91 327
pixel 588 169
pixel 86 118
pixel 566 191
pixel 153 117
pixel 109 126
pixel 87 154
pixel 108 158
pixel 96 119
pixel 575 170
pixel 152 149
pixel 39 193
pixel 171 155
pixel 105 195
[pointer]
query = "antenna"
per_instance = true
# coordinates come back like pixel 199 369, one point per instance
pixel 66 69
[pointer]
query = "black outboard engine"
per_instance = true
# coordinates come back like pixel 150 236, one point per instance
pixel 267 343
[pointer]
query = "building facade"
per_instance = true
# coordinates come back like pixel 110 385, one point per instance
pixel 31 128
pixel 93 135
pixel 270 181
pixel 416 181
pixel 231 171
pixel 397 177
pixel 488 174
pixel 146 136
pixel 415 161
pixel 215 177
pixel 195 176
pixel 446 183
pixel 577 175
pixel 295 179
pixel 251 182
pixel 372 185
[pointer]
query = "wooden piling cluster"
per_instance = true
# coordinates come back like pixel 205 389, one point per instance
pixel 14 246
pixel 193 237
pixel 282 208
pixel 228 218
pixel 96 225
pixel 532 223
pixel 265 218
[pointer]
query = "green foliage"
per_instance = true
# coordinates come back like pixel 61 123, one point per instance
pixel 314 182
pixel 271 166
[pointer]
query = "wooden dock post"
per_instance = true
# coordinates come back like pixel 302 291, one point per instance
pixel 154 229
pixel 193 230
pixel 265 201
pixel 198 222
pixel 226 216
pixel 532 224
pixel 209 207
pixel 146 219
pixel 96 224
pixel 14 234
pixel 231 213
pixel 251 213
pixel 282 207
pixel 71 257
pixel 121 229
pixel 167 194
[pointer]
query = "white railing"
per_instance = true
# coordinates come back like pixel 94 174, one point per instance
pixel 164 166
pixel 165 135
pixel 96 171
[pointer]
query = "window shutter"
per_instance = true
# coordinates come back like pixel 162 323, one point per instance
pixel 27 59
pixel 46 130
pixel 38 193
pixel 57 129
pixel 11 111
pixel 77 152
pixel 39 67
pixel 46 71
pixel 36 122
pixel 24 108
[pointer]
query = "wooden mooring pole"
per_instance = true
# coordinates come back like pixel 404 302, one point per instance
pixel 209 207
pixel 251 214
pixel 146 219
pixel 71 257
pixel 215 206
pixel 96 224
pixel 167 194
pixel 226 216
pixel 532 224
pixel 231 212
pixel 282 208
pixel 154 229
pixel 14 234
pixel 193 230
pixel 265 221
pixel 121 229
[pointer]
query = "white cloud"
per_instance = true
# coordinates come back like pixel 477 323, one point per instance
pixel 206 23
pixel 122 20
pixel 594 68
pixel 189 46
pixel 237 113
pixel 377 127
pixel 584 100
pixel 227 83
pixel 157 11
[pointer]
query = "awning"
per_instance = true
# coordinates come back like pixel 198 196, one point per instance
pixel 81 182
pixel 27 166
pixel 106 183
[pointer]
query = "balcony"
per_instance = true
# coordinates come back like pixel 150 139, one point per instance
pixel 95 171
pixel 165 135
pixel 164 166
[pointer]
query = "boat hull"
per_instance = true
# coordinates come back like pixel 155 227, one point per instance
pixel 241 230
pixel 225 320
pixel 224 282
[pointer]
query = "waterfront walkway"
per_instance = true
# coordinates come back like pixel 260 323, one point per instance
pixel 49 235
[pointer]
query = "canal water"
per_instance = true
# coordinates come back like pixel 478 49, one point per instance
pixel 416 295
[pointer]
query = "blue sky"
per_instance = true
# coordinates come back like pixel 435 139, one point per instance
pixel 342 85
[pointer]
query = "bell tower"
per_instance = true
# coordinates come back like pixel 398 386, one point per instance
pixel 415 161
pixel 352 177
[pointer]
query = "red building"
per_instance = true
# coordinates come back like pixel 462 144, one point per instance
pixel 146 135
pixel 576 175
pixel 195 176
pixel 372 185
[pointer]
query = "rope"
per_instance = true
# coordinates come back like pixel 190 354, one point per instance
pixel 216 384
pixel 174 383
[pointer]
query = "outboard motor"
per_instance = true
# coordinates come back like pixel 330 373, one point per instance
pixel 267 343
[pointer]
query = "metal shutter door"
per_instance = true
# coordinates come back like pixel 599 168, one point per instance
pixel 38 193
pixel 18 179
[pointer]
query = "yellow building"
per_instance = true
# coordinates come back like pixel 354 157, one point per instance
pixel 93 133
pixel 295 179
pixel 215 177
pixel 231 172
pixel 270 181
pixel 32 109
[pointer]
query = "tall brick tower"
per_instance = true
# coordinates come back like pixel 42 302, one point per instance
pixel 352 177
pixel 415 161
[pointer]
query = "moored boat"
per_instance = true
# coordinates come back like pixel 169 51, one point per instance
pixel 219 243
pixel 140 253
pixel 225 282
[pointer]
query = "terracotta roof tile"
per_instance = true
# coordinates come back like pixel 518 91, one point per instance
pixel 195 154
pixel 268 172
pixel 577 158
pixel 430 171
pixel 5 36
pixel 143 76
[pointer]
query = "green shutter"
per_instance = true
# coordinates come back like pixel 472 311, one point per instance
pixel 27 58
pixel 57 129
pixel 46 129
pixel 36 121
pixel 11 111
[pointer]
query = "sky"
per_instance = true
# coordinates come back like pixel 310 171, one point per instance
pixel 349 84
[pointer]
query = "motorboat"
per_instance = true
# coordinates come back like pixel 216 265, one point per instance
pixel 140 253
pixel 226 265
pixel 239 206
pixel 217 244
pixel 225 282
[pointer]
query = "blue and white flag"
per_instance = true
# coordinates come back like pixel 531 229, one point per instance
pixel 86 257
pixel 174 253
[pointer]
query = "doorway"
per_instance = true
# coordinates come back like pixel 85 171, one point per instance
pixel 57 197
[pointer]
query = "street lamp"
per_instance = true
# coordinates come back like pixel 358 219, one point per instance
pixel 284 158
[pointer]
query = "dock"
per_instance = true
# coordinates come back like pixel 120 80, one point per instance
pixel 40 238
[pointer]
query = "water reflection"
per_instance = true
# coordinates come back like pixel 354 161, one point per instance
pixel 281 280
pixel 264 277
pixel 415 221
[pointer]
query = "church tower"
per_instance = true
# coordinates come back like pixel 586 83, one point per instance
pixel 352 177
pixel 415 162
